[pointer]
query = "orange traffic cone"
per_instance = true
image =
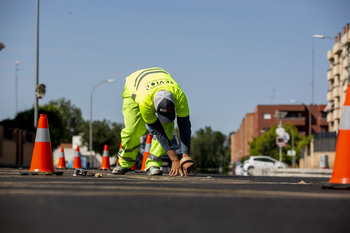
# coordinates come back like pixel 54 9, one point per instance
pixel 61 160
pixel 42 153
pixel 105 159
pixel 77 159
pixel 147 150
pixel 341 169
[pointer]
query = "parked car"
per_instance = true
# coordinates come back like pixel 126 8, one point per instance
pixel 262 162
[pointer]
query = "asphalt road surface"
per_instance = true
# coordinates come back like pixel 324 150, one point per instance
pixel 138 203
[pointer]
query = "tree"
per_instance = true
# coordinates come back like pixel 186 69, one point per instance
pixel 104 132
pixel 25 120
pixel 55 124
pixel 209 149
pixel 265 144
pixel 71 118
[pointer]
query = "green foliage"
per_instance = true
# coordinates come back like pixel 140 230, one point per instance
pixel 209 149
pixel 65 120
pixel 265 144
pixel 103 132
pixel 71 118
pixel 25 121
pixel 56 128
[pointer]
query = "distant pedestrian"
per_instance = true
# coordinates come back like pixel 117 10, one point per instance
pixel 152 97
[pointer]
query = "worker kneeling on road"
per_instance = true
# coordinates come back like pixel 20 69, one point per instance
pixel 152 97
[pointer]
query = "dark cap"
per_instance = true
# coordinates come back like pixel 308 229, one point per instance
pixel 165 106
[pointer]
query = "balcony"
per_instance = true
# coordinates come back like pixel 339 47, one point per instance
pixel 336 113
pixel 345 61
pixel 346 37
pixel 322 122
pixel 329 75
pixel 336 91
pixel 297 121
pixel 330 117
pixel 336 103
pixel 337 48
pixel 336 69
pixel 329 95
pixel 330 55
pixel 344 76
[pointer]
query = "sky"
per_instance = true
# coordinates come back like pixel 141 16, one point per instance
pixel 228 56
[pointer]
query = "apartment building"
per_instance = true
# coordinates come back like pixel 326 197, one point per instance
pixel 265 117
pixel 337 76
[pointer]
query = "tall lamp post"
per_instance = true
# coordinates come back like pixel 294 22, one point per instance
pixel 36 104
pixel 310 122
pixel 17 69
pixel 91 94
pixel 291 131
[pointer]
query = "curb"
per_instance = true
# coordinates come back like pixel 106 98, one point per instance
pixel 293 172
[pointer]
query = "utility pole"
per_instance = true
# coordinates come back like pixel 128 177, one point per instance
pixel 16 85
pixel 36 104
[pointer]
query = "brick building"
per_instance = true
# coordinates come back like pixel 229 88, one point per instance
pixel 264 117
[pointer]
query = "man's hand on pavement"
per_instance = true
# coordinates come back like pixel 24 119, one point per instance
pixel 175 166
pixel 187 167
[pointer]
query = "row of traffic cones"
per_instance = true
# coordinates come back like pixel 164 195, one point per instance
pixel 105 165
pixel 42 153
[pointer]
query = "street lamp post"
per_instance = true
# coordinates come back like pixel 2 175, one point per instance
pixel 36 104
pixel 291 130
pixel 17 69
pixel 310 123
pixel 313 67
pixel 91 94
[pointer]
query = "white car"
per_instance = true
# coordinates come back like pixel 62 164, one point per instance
pixel 262 162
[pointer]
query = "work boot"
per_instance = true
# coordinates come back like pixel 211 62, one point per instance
pixel 119 170
pixel 154 171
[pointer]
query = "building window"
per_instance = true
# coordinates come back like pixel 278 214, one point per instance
pixel 266 130
pixel 267 116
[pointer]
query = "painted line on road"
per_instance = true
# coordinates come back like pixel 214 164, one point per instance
pixel 80 190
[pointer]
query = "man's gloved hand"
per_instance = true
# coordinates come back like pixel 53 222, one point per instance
pixel 187 164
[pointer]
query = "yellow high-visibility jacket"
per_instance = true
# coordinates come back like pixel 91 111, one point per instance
pixel 144 84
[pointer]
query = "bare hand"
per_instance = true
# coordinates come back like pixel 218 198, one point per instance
pixel 175 168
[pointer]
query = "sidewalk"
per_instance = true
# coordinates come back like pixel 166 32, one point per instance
pixel 294 172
